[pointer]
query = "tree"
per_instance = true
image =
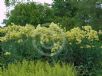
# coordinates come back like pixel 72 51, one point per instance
pixel 64 13
pixel 69 13
pixel 78 12
pixel 88 12
pixel 30 13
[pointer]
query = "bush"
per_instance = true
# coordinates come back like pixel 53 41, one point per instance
pixel 22 42
pixel 78 46
pixel 38 69
pixel 17 41
pixel 83 48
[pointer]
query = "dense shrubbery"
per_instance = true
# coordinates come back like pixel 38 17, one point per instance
pixel 38 69
pixel 78 46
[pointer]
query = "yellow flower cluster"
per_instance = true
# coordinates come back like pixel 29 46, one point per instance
pixel 15 32
pixel 56 47
pixel 77 34
pixel 53 35
pixel 92 35
pixel 50 36
pixel 87 28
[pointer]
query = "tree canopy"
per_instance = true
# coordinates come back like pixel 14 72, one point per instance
pixel 68 13
pixel 30 13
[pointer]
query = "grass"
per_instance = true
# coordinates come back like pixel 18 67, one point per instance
pixel 38 69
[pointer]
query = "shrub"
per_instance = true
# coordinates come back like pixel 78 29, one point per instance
pixel 38 69
pixel 23 41
pixel 79 46
pixel 17 41
pixel 83 49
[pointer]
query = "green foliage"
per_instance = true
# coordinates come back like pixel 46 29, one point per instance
pixel 83 49
pixel 7 2
pixel 38 69
pixel 68 13
pixel 89 12
pixel 64 13
pixel 17 40
pixel 79 46
pixel 78 12
pixel 100 35
pixel 64 8
pixel 30 13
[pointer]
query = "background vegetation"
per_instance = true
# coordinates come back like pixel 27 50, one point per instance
pixel 71 46
pixel 69 13
pixel 78 46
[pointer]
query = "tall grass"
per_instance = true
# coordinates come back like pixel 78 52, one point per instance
pixel 38 69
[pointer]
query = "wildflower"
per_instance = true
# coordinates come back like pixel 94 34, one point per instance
pixel 87 28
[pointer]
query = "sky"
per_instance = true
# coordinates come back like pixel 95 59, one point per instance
pixel 3 9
